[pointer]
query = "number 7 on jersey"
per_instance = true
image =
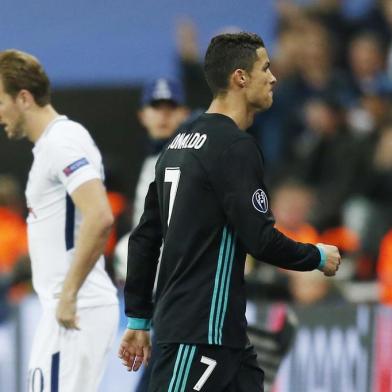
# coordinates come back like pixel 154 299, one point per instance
pixel 172 175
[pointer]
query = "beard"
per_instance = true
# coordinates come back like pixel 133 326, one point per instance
pixel 17 131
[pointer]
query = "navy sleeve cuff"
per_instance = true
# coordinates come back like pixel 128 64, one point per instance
pixel 139 323
pixel 323 257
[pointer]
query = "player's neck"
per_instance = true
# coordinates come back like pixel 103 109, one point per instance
pixel 37 121
pixel 235 108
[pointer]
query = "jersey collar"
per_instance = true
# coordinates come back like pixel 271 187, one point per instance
pixel 46 131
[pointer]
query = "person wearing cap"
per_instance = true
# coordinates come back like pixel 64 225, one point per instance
pixel 162 111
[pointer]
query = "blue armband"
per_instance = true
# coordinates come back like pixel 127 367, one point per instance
pixel 139 323
pixel 323 257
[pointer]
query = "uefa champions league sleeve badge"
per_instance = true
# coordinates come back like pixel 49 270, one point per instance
pixel 260 201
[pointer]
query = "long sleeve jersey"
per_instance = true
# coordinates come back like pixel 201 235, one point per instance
pixel 209 206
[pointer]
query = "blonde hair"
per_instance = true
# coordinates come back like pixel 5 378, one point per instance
pixel 22 71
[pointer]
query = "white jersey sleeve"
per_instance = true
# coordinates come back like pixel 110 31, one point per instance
pixel 75 160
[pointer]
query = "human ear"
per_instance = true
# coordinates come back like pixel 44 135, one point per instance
pixel 240 77
pixel 24 99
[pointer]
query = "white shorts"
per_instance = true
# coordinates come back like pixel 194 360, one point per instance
pixel 70 360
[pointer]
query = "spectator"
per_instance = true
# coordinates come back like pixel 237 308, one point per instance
pixel 198 94
pixel 13 234
pixel 367 63
pixel 369 211
pixel 384 269
pixel 13 243
pixel 292 203
pixel 326 158
pixel 162 111
pixel 311 289
pixel 316 77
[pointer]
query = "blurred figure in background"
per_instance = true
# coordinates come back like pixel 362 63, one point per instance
pixel 162 111
pixel 326 158
pixel 384 269
pixel 313 75
pixel 377 19
pixel 287 52
pixel 386 7
pixel 312 289
pixel 357 105
pixel 367 62
pixel 121 211
pixel 198 95
pixel 14 262
pixel 13 232
pixel 369 211
pixel 292 203
pixel 372 85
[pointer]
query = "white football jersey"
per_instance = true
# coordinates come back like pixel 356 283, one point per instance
pixel 146 177
pixel 65 156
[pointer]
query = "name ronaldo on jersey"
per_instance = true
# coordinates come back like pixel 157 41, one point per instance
pixel 190 140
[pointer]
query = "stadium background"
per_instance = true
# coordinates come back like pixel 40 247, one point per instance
pixel 98 56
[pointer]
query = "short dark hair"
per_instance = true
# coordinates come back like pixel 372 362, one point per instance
pixel 22 71
pixel 225 54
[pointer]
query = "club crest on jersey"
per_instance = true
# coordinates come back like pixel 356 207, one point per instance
pixel 260 201
pixel 75 166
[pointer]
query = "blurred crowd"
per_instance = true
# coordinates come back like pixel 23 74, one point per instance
pixel 327 144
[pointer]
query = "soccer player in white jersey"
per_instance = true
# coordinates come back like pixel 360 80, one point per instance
pixel 68 223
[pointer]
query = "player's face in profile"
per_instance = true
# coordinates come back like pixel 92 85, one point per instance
pixel 261 83
pixel 11 117
pixel 162 118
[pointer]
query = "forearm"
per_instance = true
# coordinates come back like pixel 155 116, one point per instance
pixel 285 253
pixel 268 244
pixel 143 255
pixel 89 247
pixel 141 273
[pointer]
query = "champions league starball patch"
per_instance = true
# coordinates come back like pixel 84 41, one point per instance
pixel 260 201
pixel 75 166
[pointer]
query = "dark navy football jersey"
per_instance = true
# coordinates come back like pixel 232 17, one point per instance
pixel 210 207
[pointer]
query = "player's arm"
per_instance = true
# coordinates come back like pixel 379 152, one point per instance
pixel 240 185
pixel 80 172
pixel 143 255
pixel 91 200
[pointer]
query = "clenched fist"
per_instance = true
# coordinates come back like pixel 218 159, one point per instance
pixel 333 259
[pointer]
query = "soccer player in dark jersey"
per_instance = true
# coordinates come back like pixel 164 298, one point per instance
pixel 209 206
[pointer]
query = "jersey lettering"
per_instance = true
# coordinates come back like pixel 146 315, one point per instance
pixel 172 175
pixel 211 366
pixel 183 140
pixel 36 380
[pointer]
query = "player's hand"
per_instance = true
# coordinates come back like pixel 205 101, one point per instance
pixel 66 312
pixel 333 259
pixel 135 349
